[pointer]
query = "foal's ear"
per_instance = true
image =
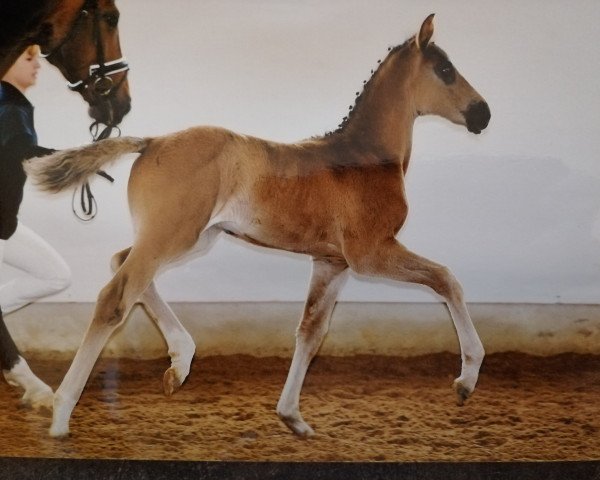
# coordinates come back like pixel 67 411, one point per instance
pixel 425 33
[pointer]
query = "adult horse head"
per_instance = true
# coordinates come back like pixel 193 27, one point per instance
pixel 81 39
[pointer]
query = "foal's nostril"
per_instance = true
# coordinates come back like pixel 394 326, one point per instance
pixel 477 116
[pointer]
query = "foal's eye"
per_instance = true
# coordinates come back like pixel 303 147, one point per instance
pixel 446 72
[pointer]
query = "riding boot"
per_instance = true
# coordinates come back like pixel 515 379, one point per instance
pixel 18 374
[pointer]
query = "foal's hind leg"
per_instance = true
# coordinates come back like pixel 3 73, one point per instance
pixel 392 260
pixel 179 342
pixel 113 305
pixel 326 281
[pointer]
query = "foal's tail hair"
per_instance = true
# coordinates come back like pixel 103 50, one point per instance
pixel 65 168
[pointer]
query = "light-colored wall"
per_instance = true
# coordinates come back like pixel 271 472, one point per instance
pixel 515 212
pixel 54 330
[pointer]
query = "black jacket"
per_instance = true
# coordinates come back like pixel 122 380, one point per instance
pixel 18 141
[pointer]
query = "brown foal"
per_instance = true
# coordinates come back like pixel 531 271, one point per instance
pixel 339 198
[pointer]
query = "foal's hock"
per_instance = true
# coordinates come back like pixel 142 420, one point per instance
pixel 339 198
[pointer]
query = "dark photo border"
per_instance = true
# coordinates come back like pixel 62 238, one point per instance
pixel 40 468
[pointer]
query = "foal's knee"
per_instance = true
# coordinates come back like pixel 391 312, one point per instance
pixel 312 329
pixel 444 283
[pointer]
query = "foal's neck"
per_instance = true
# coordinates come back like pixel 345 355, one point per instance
pixel 383 118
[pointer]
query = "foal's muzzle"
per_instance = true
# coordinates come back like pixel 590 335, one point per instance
pixel 477 116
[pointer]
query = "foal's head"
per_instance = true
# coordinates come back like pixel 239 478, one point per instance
pixel 439 89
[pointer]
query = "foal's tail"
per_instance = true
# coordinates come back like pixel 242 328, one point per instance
pixel 67 168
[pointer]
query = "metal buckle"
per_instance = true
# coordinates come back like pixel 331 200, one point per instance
pixel 103 86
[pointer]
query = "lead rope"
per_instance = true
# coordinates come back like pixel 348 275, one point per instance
pixel 87 202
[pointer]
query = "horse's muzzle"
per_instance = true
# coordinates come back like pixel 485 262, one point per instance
pixel 110 111
pixel 477 116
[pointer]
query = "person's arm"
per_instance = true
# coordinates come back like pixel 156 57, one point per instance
pixel 17 137
pixel 21 147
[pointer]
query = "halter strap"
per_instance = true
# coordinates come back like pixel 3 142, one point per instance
pixel 83 13
pixel 98 71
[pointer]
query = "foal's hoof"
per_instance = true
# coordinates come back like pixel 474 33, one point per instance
pixel 462 393
pixel 298 426
pixel 303 431
pixel 59 431
pixel 171 382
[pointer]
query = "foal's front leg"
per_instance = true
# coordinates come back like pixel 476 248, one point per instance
pixel 392 260
pixel 326 281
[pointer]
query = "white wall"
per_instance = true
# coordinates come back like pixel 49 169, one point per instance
pixel 266 329
pixel 515 212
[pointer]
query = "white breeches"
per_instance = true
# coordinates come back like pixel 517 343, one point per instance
pixel 42 271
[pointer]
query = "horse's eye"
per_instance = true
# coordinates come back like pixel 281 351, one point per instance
pixel 446 72
pixel 112 19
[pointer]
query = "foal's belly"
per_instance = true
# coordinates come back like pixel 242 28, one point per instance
pixel 290 240
pixel 279 230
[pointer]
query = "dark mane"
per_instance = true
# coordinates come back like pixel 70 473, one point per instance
pixel 366 85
